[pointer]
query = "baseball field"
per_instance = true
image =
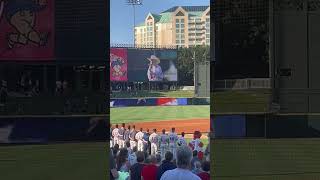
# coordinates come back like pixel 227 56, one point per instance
pixel 265 159
pixel 76 161
pixel 183 118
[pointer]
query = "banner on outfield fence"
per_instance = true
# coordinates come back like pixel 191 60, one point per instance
pixel 52 129
pixel 157 102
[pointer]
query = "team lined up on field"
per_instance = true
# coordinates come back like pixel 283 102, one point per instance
pixel 153 143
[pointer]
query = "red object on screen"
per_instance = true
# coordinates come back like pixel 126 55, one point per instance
pixel 118 64
pixel 167 102
pixel 27 30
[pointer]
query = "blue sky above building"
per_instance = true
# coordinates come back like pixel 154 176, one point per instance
pixel 121 15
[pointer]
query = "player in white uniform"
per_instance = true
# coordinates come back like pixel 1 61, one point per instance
pixel 121 136
pixel 173 138
pixel 154 139
pixel 163 141
pixel 139 138
pixel 132 137
pixel 181 140
pixel 115 134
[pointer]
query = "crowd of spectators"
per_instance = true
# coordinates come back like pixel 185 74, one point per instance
pixel 131 162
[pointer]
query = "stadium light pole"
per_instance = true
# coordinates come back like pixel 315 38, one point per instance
pixel 134 3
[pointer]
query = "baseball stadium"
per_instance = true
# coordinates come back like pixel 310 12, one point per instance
pixel 164 103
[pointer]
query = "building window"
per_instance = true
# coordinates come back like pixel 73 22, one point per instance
pixel 182 20
pixel 177 20
pixel 177 26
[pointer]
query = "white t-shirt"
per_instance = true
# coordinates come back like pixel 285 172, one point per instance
pixel 179 174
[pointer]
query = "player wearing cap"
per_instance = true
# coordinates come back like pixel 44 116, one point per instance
pixel 139 138
pixel 163 141
pixel 132 137
pixel 173 138
pixel 181 140
pixel 115 134
pixel 121 136
pixel 154 139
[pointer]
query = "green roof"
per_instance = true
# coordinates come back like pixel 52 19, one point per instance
pixel 196 13
pixel 156 17
pixel 165 18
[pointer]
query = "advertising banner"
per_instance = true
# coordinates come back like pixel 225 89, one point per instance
pixel 118 64
pixel 146 65
pixel 27 30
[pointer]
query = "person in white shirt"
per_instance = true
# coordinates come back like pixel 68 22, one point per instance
pixel 173 138
pixel 154 139
pixel 115 134
pixel 139 138
pixel 163 141
pixel 182 172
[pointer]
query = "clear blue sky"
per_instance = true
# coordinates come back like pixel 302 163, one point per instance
pixel 121 15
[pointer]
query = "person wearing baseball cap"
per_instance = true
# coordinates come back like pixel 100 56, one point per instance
pixel 154 71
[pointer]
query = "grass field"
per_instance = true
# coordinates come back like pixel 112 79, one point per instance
pixel 240 101
pixel 77 161
pixel 266 159
pixel 144 114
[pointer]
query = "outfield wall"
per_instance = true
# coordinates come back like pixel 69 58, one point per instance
pixel 158 102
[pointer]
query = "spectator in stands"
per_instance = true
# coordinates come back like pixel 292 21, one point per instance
pixel 194 159
pixel 205 175
pixel 182 172
pixel 132 156
pixel 135 170
pixel 115 150
pixel 197 168
pixel 149 172
pixel 166 165
pixel 113 169
pixel 158 157
pixel 122 161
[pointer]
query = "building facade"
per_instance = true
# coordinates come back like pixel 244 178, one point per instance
pixel 181 26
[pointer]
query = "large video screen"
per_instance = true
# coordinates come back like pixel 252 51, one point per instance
pixel 152 65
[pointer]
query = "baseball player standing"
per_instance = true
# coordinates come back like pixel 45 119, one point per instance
pixel 181 140
pixel 173 138
pixel 126 135
pixel 154 139
pixel 121 136
pixel 163 140
pixel 115 134
pixel 132 137
pixel 139 138
pixel 146 142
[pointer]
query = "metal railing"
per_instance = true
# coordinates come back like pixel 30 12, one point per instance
pixel 237 84
pixel 143 46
